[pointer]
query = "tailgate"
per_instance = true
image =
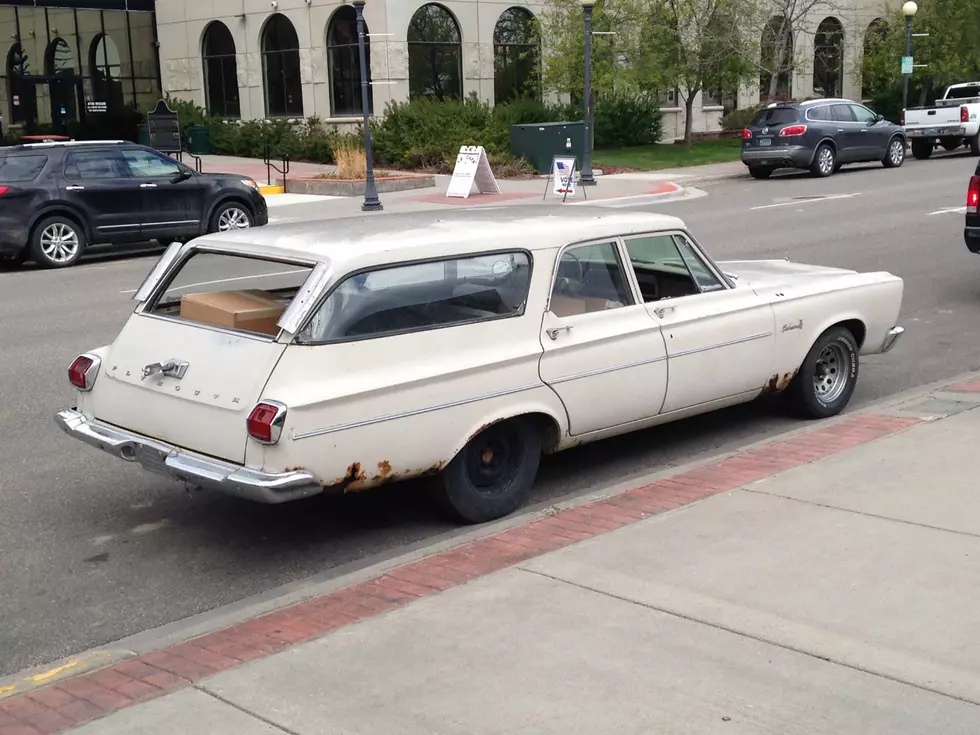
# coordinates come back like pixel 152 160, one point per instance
pixel 932 117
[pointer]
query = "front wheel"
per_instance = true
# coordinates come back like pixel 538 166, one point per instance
pixel 824 161
pixel 57 242
pixel 827 378
pixel 492 476
pixel 895 154
pixel 922 148
pixel 230 216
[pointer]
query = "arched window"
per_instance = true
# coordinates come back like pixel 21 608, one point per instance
pixel 777 58
pixel 23 94
pixel 516 56
pixel 874 38
pixel 220 71
pixel 59 61
pixel 345 63
pixel 106 72
pixel 828 58
pixel 280 68
pixel 435 54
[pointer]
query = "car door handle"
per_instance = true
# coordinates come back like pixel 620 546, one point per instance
pixel 148 186
pixel 663 310
pixel 74 188
pixel 840 130
pixel 553 333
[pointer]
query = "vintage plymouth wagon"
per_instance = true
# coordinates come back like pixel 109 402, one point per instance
pixel 280 362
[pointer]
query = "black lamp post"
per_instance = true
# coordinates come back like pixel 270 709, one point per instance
pixel 908 10
pixel 587 178
pixel 371 201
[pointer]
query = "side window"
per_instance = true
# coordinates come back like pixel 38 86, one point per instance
pixel 667 266
pixel 843 113
pixel 862 114
pixel 21 168
pixel 419 296
pixel 589 278
pixel 85 165
pixel 821 113
pixel 147 164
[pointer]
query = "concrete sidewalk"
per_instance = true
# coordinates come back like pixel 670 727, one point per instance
pixel 825 583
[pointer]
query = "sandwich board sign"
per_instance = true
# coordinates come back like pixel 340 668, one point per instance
pixel 472 167
pixel 562 178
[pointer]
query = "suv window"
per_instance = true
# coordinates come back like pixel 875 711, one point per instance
pixel 421 296
pixel 776 116
pixel 843 113
pixel 863 114
pixel 666 266
pixel 819 113
pixel 94 165
pixel 589 278
pixel 21 168
pixel 149 164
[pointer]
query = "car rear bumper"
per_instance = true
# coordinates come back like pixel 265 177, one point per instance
pixel 792 156
pixel 193 469
pixel 894 334
pixel 939 131
pixel 971 235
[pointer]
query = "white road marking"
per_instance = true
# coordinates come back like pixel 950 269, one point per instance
pixel 798 202
pixel 282 200
pixel 949 210
pixel 229 280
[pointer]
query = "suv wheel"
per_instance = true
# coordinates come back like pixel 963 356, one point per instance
pixel 922 148
pixel 760 172
pixel 824 161
pixel 974 143
pixel 895 154
pixel 57 242
pixel 230 216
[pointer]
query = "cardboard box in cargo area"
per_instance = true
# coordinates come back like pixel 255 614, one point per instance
pixel 250 311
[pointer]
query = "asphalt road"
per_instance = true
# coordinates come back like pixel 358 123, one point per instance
pixel 92 549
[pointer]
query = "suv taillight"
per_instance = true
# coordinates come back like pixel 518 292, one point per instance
pixel 83 372
pixel 792 130
pixel 746 133
pixel 265 422
pixel 964 114
pixel 973 195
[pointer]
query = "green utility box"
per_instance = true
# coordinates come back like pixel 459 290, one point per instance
pixel 198 140
pixel 540 142
pixel 143 134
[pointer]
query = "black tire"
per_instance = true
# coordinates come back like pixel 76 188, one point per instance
pixel 975 144
pixel 760 172
pixel 824 161
pixel 48 252
pixel 835 353
pixel 894 153
pixel 493 474
pixel 225 210
pixel 922 148
pixel 15 260
pixel 950 144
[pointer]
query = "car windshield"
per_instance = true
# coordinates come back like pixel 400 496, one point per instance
pixel 775 116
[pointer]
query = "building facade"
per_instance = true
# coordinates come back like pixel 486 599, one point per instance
pixel 252 59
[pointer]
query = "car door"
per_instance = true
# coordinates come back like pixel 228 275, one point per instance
pixel 173 196
pixel 97 183
pixel 603 355
pixel 719 339
pixel 874 136
pixel 850 140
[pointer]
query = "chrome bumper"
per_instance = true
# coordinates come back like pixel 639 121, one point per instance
pixel 894 334
pixel 187 467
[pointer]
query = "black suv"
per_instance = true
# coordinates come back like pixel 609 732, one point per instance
pixel 57 198
pixel 820 135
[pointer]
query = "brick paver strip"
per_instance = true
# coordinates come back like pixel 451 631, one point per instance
pixel 972 386
pixel 73 701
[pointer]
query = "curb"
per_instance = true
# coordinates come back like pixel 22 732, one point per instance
pixel 59 703
pixel 271 189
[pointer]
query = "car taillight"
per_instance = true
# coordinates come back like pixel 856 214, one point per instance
pixel 746 133
pixel 792 130
pixel 973 195
pixel 83 372
pixel 901 118
pixel 265 422
pixel 964 114
pixel 4 190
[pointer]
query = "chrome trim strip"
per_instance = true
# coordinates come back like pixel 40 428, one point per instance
pixel 296 436
pixel 157 273
pixel 115 227
pixel 751 338
pixel 602 371
pixel 174 222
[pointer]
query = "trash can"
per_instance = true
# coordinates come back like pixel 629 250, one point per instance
pixel 540 142
pixel 198 140
pixel 143 134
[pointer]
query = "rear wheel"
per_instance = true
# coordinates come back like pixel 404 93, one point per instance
pixel 760 172
pixel 895 153
pixel 57 242
pixel 975 144
pixel 827 378
pixel 824 161
pixel 922 148
pixel 492 476
pixel 950 144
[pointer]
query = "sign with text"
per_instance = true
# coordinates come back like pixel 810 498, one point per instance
pixel 472 167
pixel 907 64
pixel 563 177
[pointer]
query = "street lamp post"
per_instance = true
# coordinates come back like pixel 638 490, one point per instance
pixel 908 10
pixel 587 178
pixel 371 201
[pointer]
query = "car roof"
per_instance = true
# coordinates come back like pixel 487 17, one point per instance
pixel 49 144
pixel 367 240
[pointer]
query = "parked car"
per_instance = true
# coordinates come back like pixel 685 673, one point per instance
pixel 281 362
pixel 953 121
pixel 820 135
pixel 57 198
pixel 971 232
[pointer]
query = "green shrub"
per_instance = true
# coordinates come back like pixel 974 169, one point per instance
pixel 625 119
pixel 738 119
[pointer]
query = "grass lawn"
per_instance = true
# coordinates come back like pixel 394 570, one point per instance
pixel 668 155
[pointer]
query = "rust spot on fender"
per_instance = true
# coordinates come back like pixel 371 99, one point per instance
pixel 779 382
pixel 297 468
pixel 384 469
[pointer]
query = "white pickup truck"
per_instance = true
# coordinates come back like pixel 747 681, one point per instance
pixel 954 121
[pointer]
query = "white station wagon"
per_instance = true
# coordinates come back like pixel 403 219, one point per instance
pixel 281 362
